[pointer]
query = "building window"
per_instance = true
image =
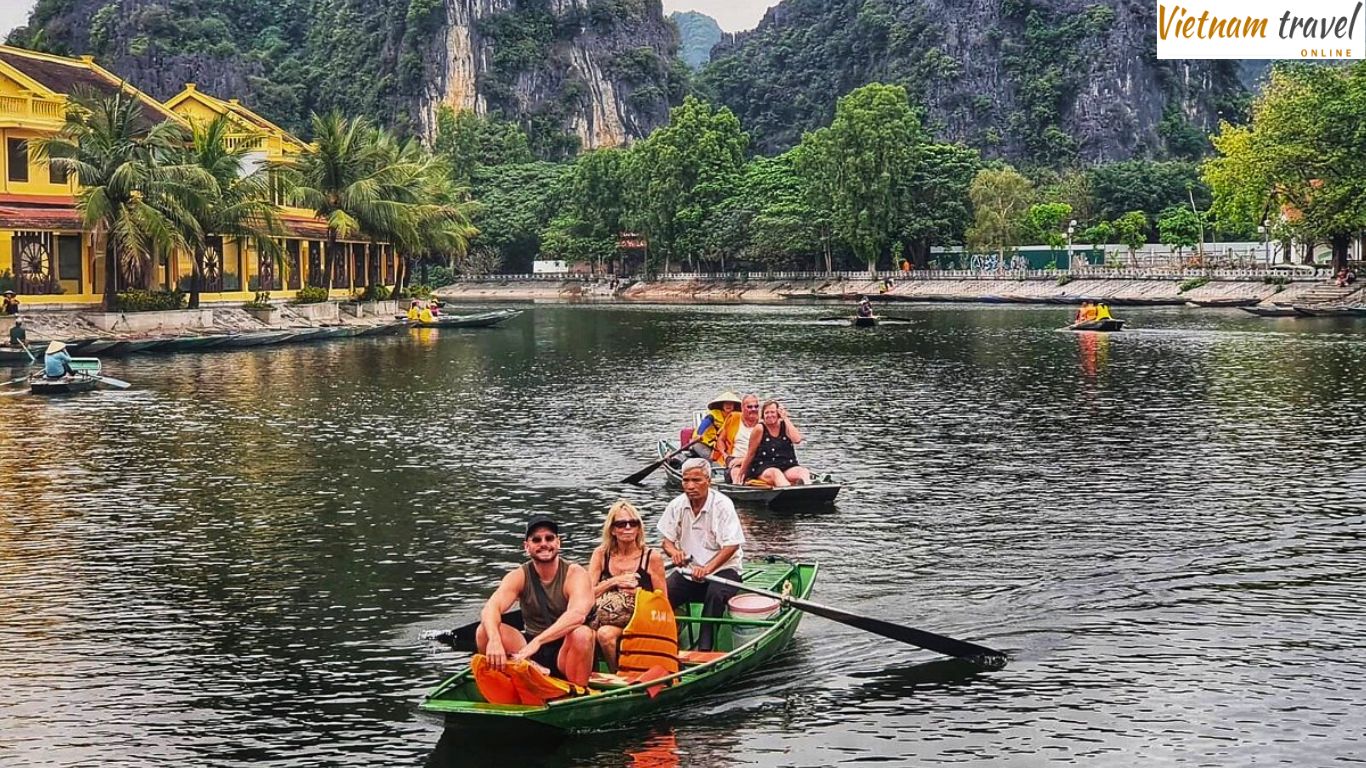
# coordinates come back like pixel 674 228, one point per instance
pixel 56 175
pixel 18 159
pixel 69 257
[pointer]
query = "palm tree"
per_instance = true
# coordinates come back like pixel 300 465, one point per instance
pixel 348 181
pixel 234 203
pixel 444 227
pixel 123 166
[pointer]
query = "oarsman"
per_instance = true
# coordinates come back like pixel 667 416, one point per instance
pixel 555 597
pixel 702 535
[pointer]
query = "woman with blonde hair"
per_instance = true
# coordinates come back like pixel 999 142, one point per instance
pixel 618 566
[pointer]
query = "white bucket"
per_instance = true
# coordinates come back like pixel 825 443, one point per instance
pixel 750 606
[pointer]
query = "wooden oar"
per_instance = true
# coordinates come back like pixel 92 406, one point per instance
pixel 462 638
pixel 31 359
pixel 642 474
pixel 979 654
pixel 113 382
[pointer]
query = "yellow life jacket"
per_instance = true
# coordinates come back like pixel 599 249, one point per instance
pixel 727 435
pixel 425 315
pixel 412 312
pixel 650 639
pixel 1102 312
pixel 718 419
pixel 519 682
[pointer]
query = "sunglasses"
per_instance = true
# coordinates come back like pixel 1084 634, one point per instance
pixel 625 523
pixel 546 539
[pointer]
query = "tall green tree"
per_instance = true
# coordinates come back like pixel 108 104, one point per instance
pixel 937 209
pixel 1301 158
pixel 592 205
pixel 228 201
pixel 679 173
pixel 1000 199
pixel 350 179
pixel 125 169
pixel 865 162
pixel 1047 223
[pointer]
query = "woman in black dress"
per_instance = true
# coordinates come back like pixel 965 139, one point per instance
pixel 772 457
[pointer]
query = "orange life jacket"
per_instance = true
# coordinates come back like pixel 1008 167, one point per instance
pixel 650 639
pixel 726 436
pixel 520 682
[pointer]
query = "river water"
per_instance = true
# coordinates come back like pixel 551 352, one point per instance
pixel 232 562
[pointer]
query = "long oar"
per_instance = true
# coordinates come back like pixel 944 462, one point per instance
pixel 31 359
pixel 111 381
pixel 979 654
pixel 642 474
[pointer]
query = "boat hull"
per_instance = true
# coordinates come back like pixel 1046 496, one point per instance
pixel 481 320
pixel 864 322
pixel 1102 326
pixel 788 497
pixel 456 699
pixel 68 385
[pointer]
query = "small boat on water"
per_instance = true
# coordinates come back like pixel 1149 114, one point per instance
pixel 864 321
pixel 1271 310
pixel 742 645
pixel 1108 325
pixel 479 320
pixel 67 385
pixel 787 497
pixel 1239 301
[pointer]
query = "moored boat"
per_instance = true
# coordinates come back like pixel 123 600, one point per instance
pixel 860 321
pixel 132 346
pixel 786 497
pixel 479 320
pixel 612 700
pixel 1273 310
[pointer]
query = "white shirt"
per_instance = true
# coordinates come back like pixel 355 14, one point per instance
pixel 703 535
pixel 742 440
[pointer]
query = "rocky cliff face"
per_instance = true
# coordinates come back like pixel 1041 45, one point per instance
pixel 600 72
pixel 1044 81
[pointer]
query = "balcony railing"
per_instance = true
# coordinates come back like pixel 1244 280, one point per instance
pixel 32 107
pixel 246 141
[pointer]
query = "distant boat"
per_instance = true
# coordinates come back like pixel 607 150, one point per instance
pixel 1107 325
pixel 480 320
pixel 1271 311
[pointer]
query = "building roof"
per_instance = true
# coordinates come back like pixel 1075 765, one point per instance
pixel 46 218
pixel 234 108
pixel 60 75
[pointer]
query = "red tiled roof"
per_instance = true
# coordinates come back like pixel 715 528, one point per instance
pixel 61 77
pixel 65 218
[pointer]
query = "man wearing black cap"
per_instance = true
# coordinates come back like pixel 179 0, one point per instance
pixel 555 597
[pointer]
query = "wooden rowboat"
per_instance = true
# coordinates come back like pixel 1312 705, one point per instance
pixel 860 321
pixel 39 384
pixel 1271 311
pixel 612 700
pixel 480 320
pixel 787 497
pixel 1105 326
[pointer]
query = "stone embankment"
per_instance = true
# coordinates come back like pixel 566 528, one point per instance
pixel 1138 288
pixel 67 324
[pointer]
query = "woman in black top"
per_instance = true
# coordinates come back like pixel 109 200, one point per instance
pixel 618 566
pixel 772 457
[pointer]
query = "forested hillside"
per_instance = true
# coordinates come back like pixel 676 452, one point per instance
pixel 594 74
pixel 1039 81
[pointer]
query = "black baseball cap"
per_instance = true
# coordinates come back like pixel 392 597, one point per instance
pixel 541 521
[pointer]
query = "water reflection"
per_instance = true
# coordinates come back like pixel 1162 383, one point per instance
pixel 232 562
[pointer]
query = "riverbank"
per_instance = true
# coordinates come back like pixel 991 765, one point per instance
pixel 1231 289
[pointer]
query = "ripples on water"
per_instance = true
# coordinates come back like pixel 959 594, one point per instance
pixel 230 564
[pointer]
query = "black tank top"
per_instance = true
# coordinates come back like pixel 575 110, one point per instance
pixel 642 569
pixel 774 451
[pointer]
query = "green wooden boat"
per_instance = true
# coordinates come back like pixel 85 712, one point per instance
pixel 457 699
pixel 479 320
pixel 789 497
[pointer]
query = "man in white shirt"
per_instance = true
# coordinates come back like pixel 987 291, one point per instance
pixel 702 535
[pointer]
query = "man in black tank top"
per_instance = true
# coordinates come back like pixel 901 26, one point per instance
pixel 555 597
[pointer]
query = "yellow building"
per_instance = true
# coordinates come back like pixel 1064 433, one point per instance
pixel 47 257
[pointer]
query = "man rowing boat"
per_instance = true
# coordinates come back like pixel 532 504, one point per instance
pixel 555 596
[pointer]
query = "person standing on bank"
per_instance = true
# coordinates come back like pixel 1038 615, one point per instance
pixel 702 535
pixel 555 597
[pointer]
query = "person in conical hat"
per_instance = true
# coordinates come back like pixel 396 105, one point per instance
pixel 719 410
pixel 57 361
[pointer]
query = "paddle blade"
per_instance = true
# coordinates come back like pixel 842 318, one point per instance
pixel 115 383
pixel 19 380
pixel 462 638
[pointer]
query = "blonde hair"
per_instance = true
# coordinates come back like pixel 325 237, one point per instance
pixel 609 542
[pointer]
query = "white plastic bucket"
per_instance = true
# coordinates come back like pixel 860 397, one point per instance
pixel 750 606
